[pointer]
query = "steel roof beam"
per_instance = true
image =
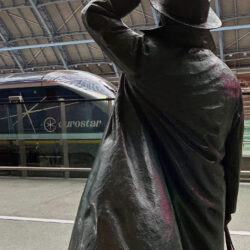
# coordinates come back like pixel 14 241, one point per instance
pixel 28 25
pixel 235 27
pixel 20 54
pixel 46 45
pixel 232 18
pixel 143 13
pixel 13 7
pixel 236 23
pixel 58 1
pixel 72 66
pixel 68 34
pixel 79 27
pixel 26 5
pixel 35 8
pixel 56 44
pixel 3 60
pixel 14 57
pixel 60 50
pixel 116 70
pixel 155 16
pixel 64 50
pixel 20 11
pixel 81 32
pixel 44 25
pixel 75 64
pixel 17 61
pixel 243 52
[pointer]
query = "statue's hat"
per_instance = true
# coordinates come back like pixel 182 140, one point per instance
pixel 194 13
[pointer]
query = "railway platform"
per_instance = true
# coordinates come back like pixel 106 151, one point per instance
pixel 38 213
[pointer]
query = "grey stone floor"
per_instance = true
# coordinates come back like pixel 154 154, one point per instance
pixel 58 199
pixel 37 198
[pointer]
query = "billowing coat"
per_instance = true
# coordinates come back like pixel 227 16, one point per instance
pixel 167 171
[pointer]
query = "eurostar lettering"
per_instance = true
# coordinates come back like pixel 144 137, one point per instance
pixel 82 124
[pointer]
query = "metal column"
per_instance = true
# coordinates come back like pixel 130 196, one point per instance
pixel 110 106
pixel 35 8
pixel 64 141
pixel 221 45
pixel 22 150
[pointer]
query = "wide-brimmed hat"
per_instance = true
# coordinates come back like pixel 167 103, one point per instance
pixel 194 13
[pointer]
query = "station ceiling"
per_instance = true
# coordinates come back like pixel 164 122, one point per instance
pixel 37 35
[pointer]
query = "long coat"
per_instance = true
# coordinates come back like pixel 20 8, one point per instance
pixel 167 171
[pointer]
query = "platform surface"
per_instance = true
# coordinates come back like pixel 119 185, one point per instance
pixel 38 214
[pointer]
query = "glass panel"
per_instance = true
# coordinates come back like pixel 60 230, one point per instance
pixel 246 140
pixel 82 152
pixel 52 134
pixel 60 134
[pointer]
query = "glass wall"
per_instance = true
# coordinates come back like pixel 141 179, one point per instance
pixel 246 140
pixel 52 134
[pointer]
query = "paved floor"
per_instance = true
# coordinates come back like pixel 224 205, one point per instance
pixel 38 214
pixel 39 199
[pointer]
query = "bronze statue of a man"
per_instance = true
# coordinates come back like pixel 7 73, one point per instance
pixel 167 172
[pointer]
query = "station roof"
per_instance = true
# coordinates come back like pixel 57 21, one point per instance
pixel 39 35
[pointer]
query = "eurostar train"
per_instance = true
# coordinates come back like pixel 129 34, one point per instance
pixel 53 119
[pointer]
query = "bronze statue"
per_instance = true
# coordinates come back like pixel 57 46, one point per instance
pixel 167 173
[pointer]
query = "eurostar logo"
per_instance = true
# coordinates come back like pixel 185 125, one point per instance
pixel 49 124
